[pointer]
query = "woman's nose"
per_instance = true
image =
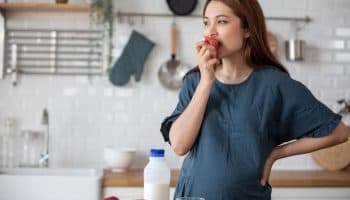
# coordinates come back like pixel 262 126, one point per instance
pixel 211 31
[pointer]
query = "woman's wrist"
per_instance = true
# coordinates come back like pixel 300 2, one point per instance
pixel 206 82
pixel 277 153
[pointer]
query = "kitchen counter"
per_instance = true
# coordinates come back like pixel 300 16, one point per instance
pixel 134 178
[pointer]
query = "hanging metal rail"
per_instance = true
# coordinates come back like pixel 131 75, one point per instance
pixel 121 15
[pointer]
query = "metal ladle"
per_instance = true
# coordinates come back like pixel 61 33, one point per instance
pixel 172 71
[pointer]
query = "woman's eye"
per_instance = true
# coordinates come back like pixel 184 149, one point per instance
pixel 205 23
pixel 222 22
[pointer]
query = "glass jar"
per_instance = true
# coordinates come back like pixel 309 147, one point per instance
pixel 32 143
pixel 3 150
pixel 8 145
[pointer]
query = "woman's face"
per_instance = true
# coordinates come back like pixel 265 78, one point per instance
pixel 220 22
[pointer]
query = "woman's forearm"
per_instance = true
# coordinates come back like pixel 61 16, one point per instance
pixel 184 130
pixel 307 145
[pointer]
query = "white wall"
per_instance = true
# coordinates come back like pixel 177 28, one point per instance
pixel 87 116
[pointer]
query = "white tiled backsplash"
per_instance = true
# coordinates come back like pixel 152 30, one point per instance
pixel 86 115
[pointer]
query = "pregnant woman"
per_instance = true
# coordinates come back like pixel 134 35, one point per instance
pixel 239 110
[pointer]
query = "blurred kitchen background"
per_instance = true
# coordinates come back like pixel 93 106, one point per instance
pixel 88 113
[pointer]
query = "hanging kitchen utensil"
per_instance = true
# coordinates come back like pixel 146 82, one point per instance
pixel 295 47
pixel 295 50
pixel 182 7
pixel 172 72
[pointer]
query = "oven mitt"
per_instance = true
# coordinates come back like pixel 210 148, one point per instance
pixel 132 59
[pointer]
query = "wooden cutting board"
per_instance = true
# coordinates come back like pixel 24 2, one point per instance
pixel 334 158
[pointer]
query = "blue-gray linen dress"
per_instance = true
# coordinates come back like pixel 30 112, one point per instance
pixel 241 126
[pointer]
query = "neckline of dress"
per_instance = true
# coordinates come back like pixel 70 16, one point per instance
pixel 245 80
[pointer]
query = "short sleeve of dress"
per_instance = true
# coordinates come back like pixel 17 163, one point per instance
pixel 184 98
pixel 300 113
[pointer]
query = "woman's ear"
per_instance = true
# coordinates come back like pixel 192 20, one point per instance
pixel 246 33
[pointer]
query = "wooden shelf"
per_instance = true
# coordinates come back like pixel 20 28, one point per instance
pixel 44 7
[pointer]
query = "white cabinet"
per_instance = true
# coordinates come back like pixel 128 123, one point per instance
pixel 318 193
pixel 124 193
pixel 128 193
pixel 133 193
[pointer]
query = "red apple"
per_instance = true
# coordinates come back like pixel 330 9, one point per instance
pixel 111 198
pixel 212 41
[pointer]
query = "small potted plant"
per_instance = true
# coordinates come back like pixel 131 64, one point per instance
pixel 102 13
pixel 345 110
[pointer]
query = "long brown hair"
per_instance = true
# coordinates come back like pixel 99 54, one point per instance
pixel 256 51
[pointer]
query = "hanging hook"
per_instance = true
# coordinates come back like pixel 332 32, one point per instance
pixel 130 21
pixel 142 19
pixel 298 26
pixel 301 25
pixel 120 19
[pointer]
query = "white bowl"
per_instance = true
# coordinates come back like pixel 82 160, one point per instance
pixel 119 160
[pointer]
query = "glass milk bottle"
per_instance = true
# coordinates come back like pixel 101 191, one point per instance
pixel 156 177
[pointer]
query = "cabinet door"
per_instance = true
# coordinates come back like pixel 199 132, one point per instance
pixel 128 193
pixel 311 194
pixel 124 193
pixel 133 193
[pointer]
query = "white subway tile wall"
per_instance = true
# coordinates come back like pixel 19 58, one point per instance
pixel 87 115
pixel 333 44
pixel 321 5
pixel 342 57
pixel 347 69
pixel 342 32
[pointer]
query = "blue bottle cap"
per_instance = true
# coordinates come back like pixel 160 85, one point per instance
pixel 157 153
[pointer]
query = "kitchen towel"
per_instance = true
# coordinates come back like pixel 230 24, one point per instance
pixel 132 59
